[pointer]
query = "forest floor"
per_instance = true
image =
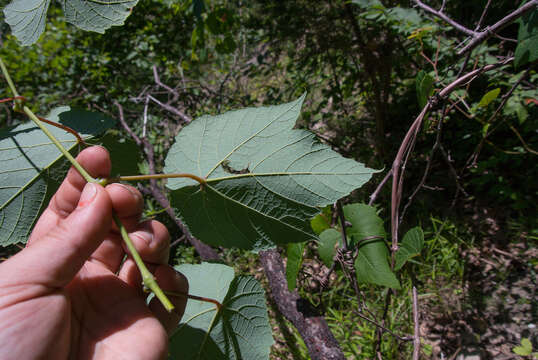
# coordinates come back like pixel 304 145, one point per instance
pixel 497 305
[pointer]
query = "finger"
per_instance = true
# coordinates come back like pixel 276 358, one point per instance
pixel 97 162
pixel 127 202
pixel 110 253
pixel 152 241
pixel 55 258
pixel 130 274
pixel 171 281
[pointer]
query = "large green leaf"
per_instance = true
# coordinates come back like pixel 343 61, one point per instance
pixel 27 19
pixel 527 39
pixel 424 84
pixel 240 330
pixel 489 97
pixel 32 168
pixel 125 155
pixel 265 180
pixel 97 15
pixel 326 247
pixel 411 246
pixel 321 222
pixel 371 264
pixel 293 263
pixel 365 224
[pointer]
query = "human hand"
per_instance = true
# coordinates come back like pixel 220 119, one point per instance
pixel 68 294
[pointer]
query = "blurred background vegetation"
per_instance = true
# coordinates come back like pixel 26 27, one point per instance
pixel 359 62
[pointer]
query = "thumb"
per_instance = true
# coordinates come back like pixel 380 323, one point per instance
pixel 56 258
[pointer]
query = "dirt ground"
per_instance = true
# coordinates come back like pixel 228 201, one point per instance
pixel 497 305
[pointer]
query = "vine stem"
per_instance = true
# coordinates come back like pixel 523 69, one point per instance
pixel 200 180
pixel 63 150
pixel 147 277
pixel 195 297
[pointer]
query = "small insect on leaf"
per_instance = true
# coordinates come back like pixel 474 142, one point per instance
pixel 226 166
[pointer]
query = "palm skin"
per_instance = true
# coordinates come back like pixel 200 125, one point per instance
pixel 68 295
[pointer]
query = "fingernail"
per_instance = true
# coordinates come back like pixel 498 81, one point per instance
pixel 88 194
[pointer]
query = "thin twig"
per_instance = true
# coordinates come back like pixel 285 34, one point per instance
pixel 474 156
pixel 471 75
pixel 416 334
pixel 384 329
pixel 448 20
pixel 125 125
pixel 491 30
pixel 172 109
pixel 377 345
pixel 175 94
pixel 145 118
pixel 521 140
pixel 452 170
pixel 395 197
pixel 177 241
pixel 22 98
pixel 483 16
pixel 428 164
pixel 379 187
pixel 175 97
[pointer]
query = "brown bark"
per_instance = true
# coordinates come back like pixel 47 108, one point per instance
pixel 312 326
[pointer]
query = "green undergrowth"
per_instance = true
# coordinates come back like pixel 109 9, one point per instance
pixel 439 273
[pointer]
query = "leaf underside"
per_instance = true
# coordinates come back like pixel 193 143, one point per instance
pixel 33 168
pixel 97 15
pixel 27 18
pixel 240 330
pixel 265 180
